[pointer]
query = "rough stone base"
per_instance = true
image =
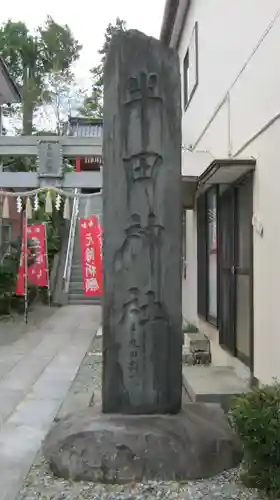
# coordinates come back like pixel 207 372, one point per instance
pixel 197 443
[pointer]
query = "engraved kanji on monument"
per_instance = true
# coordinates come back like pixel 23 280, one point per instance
pixel 142 338
pixel 49 159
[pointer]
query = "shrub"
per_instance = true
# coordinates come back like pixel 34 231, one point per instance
pixel 256 418
pixel 8 277
pixel 7 283
pixel 189 328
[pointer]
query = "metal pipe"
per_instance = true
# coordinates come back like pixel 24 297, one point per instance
pixel 70 246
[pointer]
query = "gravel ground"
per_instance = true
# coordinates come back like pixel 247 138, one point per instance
pixel 40 484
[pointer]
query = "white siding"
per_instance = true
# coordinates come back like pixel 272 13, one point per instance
pixel 228 33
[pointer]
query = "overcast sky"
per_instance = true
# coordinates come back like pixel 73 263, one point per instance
pixel 88 20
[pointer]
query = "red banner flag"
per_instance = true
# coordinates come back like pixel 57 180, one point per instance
pixel 98 229
pixel 38 271
pixel 91 257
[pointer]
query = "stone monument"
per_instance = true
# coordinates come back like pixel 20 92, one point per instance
pixel 142 324
pixel 142 434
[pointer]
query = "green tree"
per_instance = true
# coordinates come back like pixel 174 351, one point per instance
pixel 31 58
pixel 63 99
pixel 93 104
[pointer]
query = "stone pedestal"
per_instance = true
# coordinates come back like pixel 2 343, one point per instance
pixel 197 443
pixel 142 322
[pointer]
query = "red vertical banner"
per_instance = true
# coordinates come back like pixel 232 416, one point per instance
pixel 98 229
pixel 78 164
pixel 38 270
pixel 91 257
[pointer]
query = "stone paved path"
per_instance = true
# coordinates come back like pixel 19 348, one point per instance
pixel 13 328
pixel 36 372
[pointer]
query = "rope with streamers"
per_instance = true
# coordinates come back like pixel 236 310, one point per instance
pixel 59 191
pixel 32 200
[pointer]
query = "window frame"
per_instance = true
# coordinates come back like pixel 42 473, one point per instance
pixel 203 257
pixel 184 244
pixel 189 93
pixel 212 192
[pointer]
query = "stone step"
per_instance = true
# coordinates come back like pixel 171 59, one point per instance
pixel 75 272
pixel 76 261
pixel 76 254
pixel 76 283
pixel 76 288
pixel 78 298
pixel 213 384
pixel 84 301
pixel 76 277
pixel 77 250
pixel 76 264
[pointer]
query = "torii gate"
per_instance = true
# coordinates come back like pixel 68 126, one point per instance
pixel 50 175
pixel 49 152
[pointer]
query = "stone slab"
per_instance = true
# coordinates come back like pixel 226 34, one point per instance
pixel 28 413
pixel 11 479
pixel 213 384
pixel 23 375
pixel 7 364
pixel 9 399
pixel 19 440
pixel 197 443
pixel 36 413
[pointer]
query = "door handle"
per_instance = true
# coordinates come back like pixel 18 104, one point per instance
pixel 232 270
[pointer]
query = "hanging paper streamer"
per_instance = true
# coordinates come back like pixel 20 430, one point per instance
pixel 58 202
pixel 48 204
pixel 66 209
pixel 6 211
pixel 36 203
pixel 28 209
pixel 19 204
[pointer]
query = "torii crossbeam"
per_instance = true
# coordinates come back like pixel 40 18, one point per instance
pixel 49 153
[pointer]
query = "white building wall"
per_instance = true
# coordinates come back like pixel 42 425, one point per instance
pixel 267 255
pixel 228 33
pixel 238 47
